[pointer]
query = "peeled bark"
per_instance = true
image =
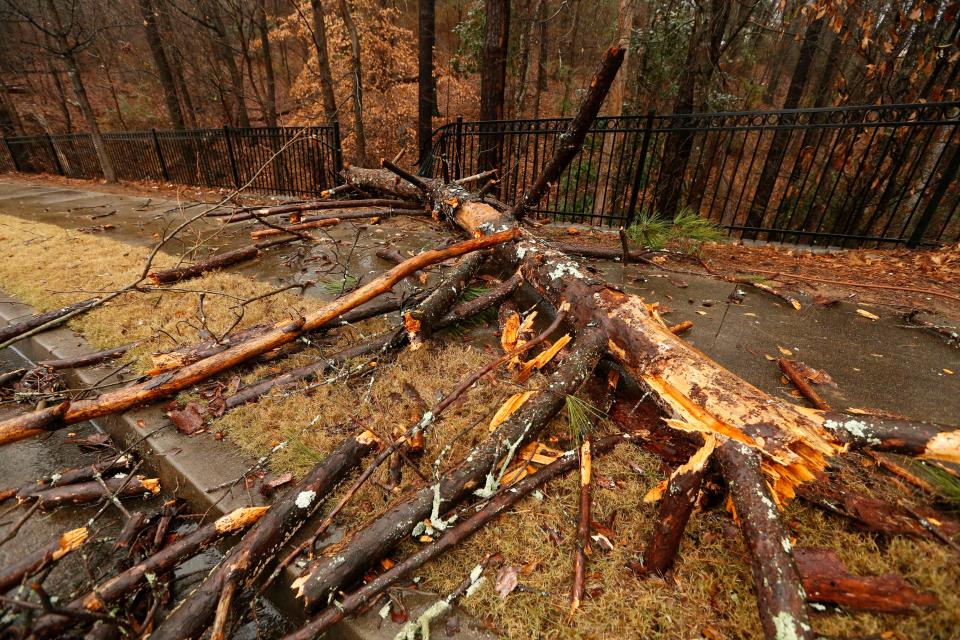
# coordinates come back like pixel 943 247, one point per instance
pixel 249 557
pixel 479 473
pixel 13 574
pixel 30 424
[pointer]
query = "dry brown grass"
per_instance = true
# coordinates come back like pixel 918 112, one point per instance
pixel 46 266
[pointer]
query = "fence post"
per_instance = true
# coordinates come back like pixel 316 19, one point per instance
pixel 948 177
pixel 13 158
pixel 337 154
pixel 458 149
pixel 53 152
pixel 641 161
pixel 233 159
pixel 163 164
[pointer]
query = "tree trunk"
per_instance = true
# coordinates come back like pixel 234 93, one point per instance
pixel 356 71
pixel 10 123
pixel 323 62
pixel 61 98
pixel 781 138
pixel 270 115
pixel 493 78
pixel 426 88
pixel 224 51
pixel 106 164
pixel 161 63
pixel 540 87
pixel 573 47
pixel 176 68
pixel 523 59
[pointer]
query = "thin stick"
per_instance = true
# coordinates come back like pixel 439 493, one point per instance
pixel 583 529
pixel 790 370
pixel 857 285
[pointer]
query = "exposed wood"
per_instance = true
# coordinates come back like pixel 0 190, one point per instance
pixel 70 476
pixel 500 502
pixel 249 557
pixel 826 580
pixel 302 226
pixel 419 322
pixel 474 474
pixel 30 424
pixel 582 543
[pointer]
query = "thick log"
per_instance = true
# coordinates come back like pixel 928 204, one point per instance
pixel 499 503
pixel 87 359
pixel 249 557
pixel 780 594
pixel 87 492
pixel 381 181
pixel 32 322
pixel 219 261
pixel 571 141
pixel 826 580
pixel 21 427
pixel 916 439
pixel 602 253
pixel 326 205
pixel 12 575
pixel 479 473
pixel 123 584
pixel 419 322
pixel 33 423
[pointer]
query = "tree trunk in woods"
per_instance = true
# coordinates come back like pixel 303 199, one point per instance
pixel 224 51
pixel 160 61
pixel 702 60
pixel 543 51
pixel 573 48
pixel 493 78
pixel 175 59
pixel 756 216
pixel 270 83
pixel 66 52
pixel 523 57
pixel 356 77
pixel 10 122
pixel 323 61
pixel 426 86
pixel 61 98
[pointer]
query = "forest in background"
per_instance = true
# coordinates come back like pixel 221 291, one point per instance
pixel 76 65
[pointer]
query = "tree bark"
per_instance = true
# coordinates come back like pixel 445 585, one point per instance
pixel 40 319
pixel 13 574
pixel 356 73
pixel 426 86
pixel 543 47
pixel 493 78
pixel 323 61
pixel 270 83
pixel 160 61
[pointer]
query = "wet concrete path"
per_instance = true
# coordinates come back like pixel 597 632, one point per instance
pixel 876 364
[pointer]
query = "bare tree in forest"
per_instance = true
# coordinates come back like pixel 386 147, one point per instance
pixel 67 38
pixel 493 75
pixel 356 72
pixel 270 82
pixel 520 77
pixel 161 63
pixel 569 57
pixel 543 50
pixel 323 61
pixel 426 89
pixel 175 60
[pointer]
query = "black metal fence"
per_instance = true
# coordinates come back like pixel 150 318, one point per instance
pixel 305 160
pixel 851 176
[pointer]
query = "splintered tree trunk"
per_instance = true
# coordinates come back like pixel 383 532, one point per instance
pixel 30 424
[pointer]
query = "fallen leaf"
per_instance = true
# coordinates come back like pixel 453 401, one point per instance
pixel 784 351
pixel 867 314
pixel 948 372
pixel 507 580
pixel 187 420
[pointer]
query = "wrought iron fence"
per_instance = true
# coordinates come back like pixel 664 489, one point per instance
pixel 852 176
pixel 283 160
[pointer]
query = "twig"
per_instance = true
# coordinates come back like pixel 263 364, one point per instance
pixel 857 285
pixel 16 527
pixel 790 370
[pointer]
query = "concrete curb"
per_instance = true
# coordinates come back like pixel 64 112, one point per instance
pixel 188 466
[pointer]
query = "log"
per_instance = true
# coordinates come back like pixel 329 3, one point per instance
pixel 219 261
pixel 601 253
pixel 23 325
pixel 9 377
pixel 317 222
pixel 499 503
pixel 88 492
pixel 123 584
pixel 381 181
pixel 25 426
pixel 827 580
pixel 12 575
pixel 678 497
pixel 33 423
pixel 327 574
pixel 69 476
pixel 419 322
pixel 249 557
pixel 87 359
pixel 917 439
pixel 780 594
pixel 326 205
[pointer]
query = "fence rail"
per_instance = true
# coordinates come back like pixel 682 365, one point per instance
pixel 852 176
pixel 305 160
